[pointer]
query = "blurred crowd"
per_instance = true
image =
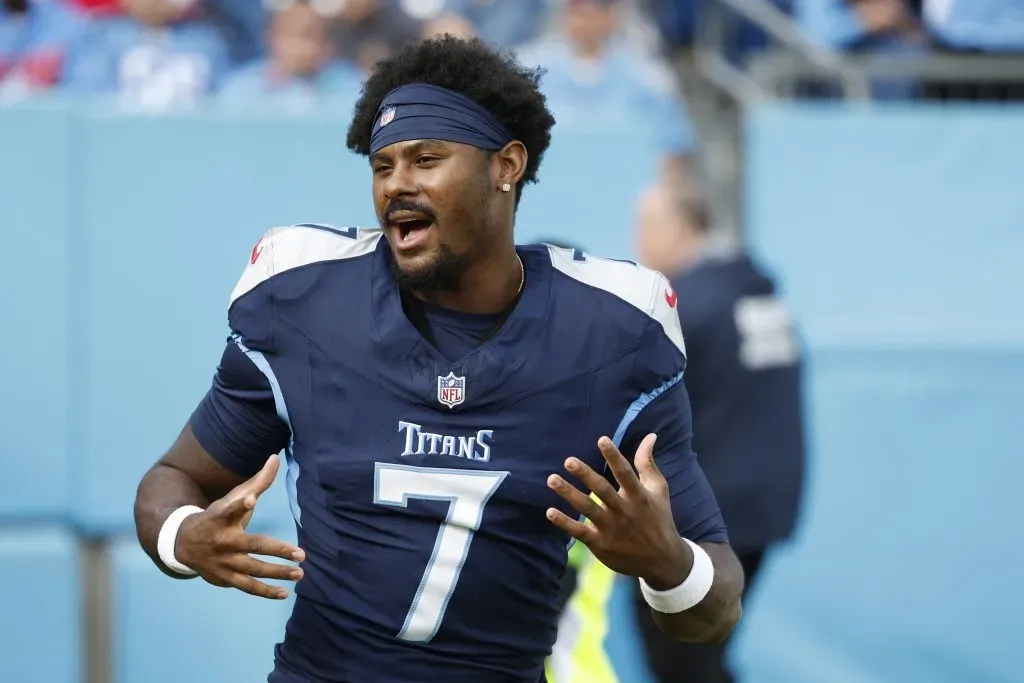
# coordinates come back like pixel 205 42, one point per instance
pixel 603 57
pixel 158 55
pixel 603 66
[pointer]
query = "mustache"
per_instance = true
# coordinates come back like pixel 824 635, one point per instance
pixel 396 205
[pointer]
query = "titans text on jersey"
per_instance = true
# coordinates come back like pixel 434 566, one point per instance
pixel 416 477
pixel 420 442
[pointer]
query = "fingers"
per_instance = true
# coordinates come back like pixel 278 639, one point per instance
pixel 241 570
pixel 619 466
pixel 256 544
pixel 583 503
pixel 238 506
pixel 251 586
pixel 583 532
pixel 597 483
pixel 646 467
pixel 264 479
pixel 242 499
pixel 250 566
pixel 228 542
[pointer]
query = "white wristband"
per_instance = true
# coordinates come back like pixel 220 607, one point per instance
pixel 169 534
pixel 689 592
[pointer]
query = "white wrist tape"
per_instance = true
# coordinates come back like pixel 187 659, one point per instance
pixel 689 592
pixel 169 534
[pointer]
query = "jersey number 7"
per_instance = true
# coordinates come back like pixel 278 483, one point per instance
pixel 467 493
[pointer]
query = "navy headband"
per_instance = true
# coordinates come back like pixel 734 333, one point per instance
pixel 426 112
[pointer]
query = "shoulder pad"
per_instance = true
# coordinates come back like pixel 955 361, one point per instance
pixel 643 288
pixel 282 249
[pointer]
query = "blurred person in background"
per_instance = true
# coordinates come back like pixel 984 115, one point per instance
pixel 299 71
pixel 244 24
pixel 744 379
pixel 975 27
pixel 860 27
pixel 497 22
pixel 449 24
pixel 34 35
pixel 367 31
pixel 596 80
pixel 155 56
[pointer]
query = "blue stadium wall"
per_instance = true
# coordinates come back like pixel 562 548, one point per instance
pixel 897 234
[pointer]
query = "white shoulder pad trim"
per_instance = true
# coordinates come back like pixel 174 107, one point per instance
pixel 281 249
pixel 641 287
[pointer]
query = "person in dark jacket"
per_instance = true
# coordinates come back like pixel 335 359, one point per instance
pixel 743 373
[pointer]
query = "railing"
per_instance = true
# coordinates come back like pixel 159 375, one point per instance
pixel 721 90
pixel 779 73
pixel 715 26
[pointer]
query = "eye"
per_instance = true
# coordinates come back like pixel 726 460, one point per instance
pixel 426 159
pixel 380 168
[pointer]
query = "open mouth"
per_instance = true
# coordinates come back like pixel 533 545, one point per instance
pixel 410 229
pixel 407 229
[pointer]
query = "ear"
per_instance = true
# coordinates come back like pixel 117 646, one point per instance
pixel 510 163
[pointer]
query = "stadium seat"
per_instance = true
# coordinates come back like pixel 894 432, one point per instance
pixel 37 363
pixel 220 635
pixel 40 615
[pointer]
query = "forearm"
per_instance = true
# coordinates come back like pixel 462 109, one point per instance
pixel 713 618
pixel 163 490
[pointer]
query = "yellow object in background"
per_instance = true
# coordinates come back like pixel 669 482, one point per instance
pixel 579 655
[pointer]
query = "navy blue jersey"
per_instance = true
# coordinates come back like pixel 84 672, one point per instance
pixel 417 482
pixel 744 381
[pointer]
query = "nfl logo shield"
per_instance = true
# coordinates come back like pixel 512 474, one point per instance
pixel 451 390
pixel 387 116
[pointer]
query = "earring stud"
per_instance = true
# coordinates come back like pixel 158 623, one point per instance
pixel 506 187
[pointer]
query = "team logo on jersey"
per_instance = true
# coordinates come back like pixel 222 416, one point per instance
pixel 256 251
pixel 387 116
pixel 451 390
pixel 670 297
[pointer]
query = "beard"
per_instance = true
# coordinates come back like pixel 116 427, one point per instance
pixel 443 273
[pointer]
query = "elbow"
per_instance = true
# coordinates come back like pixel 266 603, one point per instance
pixel 719 631
pixel 727 624
pixel 707 631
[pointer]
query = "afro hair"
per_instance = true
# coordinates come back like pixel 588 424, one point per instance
pixel 494 80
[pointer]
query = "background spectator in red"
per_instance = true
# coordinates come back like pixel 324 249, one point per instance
pixel 34 36
pixel 157 55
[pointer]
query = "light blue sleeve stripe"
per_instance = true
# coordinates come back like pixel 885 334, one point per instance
pixel 631 412
pixel 292 475
pixel 636 406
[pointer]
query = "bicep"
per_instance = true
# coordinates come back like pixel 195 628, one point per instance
pixel 236 426
pixel 694 507
pixel 187 455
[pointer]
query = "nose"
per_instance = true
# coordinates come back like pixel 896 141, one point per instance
pixel 399 183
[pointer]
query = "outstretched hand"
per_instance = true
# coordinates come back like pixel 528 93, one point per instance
pixel 215 543
pixel 631 531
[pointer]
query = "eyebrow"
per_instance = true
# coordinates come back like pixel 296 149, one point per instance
pixel 413 149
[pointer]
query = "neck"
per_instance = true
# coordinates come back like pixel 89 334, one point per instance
pixel 489 286
pixel 680 258
pixel 589 52
pixel 706 246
